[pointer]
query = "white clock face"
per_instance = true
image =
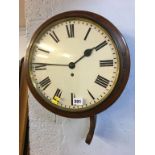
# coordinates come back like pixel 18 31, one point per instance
pixel 74 64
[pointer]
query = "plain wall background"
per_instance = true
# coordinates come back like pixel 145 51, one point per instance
pixel 114 134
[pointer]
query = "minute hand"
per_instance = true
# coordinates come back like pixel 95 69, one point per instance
pixel 49 64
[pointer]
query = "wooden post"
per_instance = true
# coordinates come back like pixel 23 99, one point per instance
pixel 23 108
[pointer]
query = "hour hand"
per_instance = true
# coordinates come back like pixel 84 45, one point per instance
pixel 87 53
pixel 101 45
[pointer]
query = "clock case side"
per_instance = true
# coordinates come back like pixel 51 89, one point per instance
pixel 123 55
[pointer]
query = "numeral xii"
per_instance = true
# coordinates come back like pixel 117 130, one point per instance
pixel 70 30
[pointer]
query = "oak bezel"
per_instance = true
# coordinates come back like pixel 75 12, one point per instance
pixel 123 56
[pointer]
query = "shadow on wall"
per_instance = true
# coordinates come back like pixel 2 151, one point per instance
pixel 116 124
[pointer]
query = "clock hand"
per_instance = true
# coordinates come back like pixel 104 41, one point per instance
pixel 49 64
pixel 87 53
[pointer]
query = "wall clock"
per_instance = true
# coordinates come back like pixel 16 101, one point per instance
pixel 77 64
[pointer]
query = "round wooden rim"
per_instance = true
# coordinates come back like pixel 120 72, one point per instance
pixel 124 64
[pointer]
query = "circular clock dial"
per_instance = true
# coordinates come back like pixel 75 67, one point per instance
pixel 74 64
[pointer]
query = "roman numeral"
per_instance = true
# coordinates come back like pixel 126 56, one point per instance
pixel 54 37
pixel 105 63
pixel 102 81
pixel 57 93
pixel 40 67
pixel 98 47
pixel 43 50
pixel 70 30
pixel 45 83
pixel 91 95
pixel 72 96
pixel 56 98
pixel 87 34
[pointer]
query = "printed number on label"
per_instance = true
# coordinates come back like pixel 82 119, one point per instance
pixel 77 101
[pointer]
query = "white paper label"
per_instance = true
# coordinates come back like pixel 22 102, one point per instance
pixel 77 101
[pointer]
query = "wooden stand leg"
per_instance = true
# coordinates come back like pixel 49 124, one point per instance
pixel 23 110
pixel 91 129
